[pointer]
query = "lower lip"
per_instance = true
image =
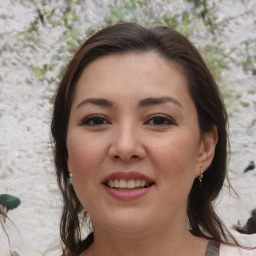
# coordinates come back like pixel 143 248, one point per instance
pixel 127 194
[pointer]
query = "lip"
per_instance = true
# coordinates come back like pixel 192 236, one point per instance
pixel 127 176
pixel 127 194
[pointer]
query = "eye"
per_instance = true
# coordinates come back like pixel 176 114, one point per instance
pixel 95 120
pixel 160 120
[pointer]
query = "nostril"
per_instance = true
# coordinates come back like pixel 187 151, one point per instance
pixel 132 157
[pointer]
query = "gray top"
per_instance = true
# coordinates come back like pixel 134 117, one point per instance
pixel 213 248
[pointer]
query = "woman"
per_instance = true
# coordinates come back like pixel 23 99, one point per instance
pixel 140 138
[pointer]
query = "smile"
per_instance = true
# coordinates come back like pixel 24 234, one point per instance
pixel 128 184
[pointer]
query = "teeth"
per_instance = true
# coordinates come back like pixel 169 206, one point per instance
pixel 116 184
pixel 131 184
pixel 137 183
pixel 127 183
pixel 111 183
pixel 123 184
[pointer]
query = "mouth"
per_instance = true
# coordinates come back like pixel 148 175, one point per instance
pixel 127 185
pixel 131 184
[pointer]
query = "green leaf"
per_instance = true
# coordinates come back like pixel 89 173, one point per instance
pixel 15 253
pixel 9 201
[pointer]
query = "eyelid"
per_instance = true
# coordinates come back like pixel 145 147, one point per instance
pixel 90 117
pixel 85 121
pixel 166 117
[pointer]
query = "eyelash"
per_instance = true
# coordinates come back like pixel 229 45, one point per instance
pixel 87 120
pixel 96 118
pixel 168 121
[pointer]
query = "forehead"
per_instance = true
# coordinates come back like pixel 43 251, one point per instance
pixel 132 74
pixel 142 63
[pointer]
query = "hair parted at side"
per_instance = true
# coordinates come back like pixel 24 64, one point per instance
pixel 173 47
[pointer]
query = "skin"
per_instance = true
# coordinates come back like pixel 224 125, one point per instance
pixel 159 140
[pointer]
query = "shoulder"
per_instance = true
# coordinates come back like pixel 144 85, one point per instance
pixel 244 240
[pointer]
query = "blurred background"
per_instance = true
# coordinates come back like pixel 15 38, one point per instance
pixel 38 37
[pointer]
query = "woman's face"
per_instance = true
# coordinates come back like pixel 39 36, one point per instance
pixel 134 144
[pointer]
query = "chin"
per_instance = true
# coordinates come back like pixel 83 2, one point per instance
pixel 130 230
pixel 127 223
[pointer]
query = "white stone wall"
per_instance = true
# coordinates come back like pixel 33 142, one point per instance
pixel 32 53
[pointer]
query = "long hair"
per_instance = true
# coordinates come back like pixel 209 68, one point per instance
pixel 175 48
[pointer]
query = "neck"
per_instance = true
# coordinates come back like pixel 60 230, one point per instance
pixel 162 243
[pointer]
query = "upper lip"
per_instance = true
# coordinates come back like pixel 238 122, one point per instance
pixel 127 176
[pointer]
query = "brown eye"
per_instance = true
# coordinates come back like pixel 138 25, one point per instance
pixel 159 121
pixel 95 121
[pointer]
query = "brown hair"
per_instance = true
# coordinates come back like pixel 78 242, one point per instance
pixel 174 47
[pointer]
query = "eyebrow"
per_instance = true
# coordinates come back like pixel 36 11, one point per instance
pixel 143 103
pixel 154 101
pixel 96 101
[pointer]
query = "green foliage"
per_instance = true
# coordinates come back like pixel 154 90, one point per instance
pixel 244 103
pixel 91 30
pixel 114 15
pixel 205 13
pixel 216 58
pixel 31 35
pixel 40 72
pixel 185 26
pixel 253 122
pixel 70 2
pixel 117 13
pixel 251 91
pixel 139 3
pixel 182 24
pixel 68 18
pixel 249 63
pixel 45 15
pixel 229 96
pixel 171 21
pixel 9 202
pixel 72 39
pixel 202 18
pixel 140 11
pixel 15 253
pixel 197 3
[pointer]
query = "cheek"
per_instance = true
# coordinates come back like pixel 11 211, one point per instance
pixel 84 153
pixel 175 168
pixel 83 161
pixel 176 158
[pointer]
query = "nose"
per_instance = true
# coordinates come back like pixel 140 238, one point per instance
pixel 127 144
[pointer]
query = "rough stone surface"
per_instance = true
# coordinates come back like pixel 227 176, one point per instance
pixel 32 54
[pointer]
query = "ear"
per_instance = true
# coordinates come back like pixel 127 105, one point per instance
pixel 206 150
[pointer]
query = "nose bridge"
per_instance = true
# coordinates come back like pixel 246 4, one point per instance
pixel 127 142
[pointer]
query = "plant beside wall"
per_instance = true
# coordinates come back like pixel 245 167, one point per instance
pixel 7 202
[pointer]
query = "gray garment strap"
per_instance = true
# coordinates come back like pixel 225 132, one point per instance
pixel 213 248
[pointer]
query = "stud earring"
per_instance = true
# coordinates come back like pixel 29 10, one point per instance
pixel 201 176
pixel 70 178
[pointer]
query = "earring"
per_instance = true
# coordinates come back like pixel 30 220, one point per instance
pixel 70 178
pixel 201 177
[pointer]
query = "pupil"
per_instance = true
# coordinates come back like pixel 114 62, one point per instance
pixel 98 121
pixel 159 120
